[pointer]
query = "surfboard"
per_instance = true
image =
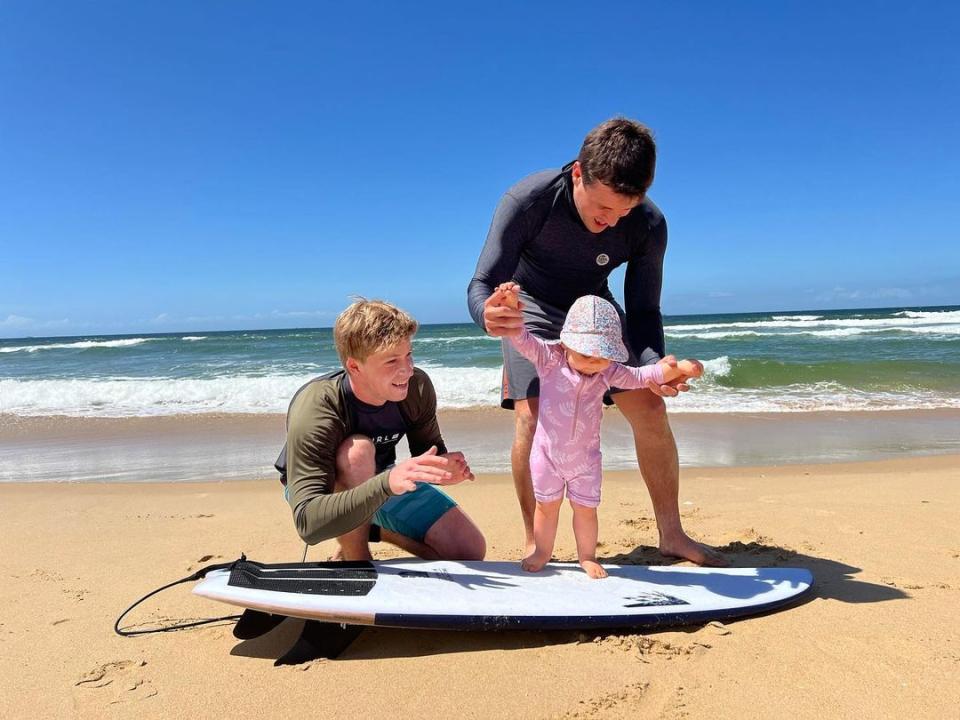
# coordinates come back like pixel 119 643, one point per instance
pixel 500 596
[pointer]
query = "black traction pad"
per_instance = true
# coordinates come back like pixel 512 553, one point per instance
pixel 321 578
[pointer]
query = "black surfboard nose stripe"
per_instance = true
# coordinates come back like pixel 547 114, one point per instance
pixel 331 578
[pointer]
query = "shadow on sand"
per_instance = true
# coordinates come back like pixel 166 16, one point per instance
pixel 832 580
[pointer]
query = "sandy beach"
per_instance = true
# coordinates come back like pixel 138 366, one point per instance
pixel 876 639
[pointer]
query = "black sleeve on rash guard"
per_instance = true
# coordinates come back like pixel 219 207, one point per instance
pixel 500 255
pixel 641 295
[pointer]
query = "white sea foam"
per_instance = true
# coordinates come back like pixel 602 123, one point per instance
pixel 717 367
pixel 805 398
pixel 148 396
pixel 938 315
pixel 718 334
pixel 80 345
pixel 904 321
pixel 460 338
pixel 463 387
pixel 130 397
pixel 947 331
pixel 194 338
pixel 802 318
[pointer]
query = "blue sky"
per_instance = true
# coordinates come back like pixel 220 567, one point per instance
pixel 218 165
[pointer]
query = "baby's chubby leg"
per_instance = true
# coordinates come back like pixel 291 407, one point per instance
pixel 548 487
pixel 545 519
pixel 585 528
pixel 584 494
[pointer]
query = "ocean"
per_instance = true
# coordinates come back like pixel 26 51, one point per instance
pixel 837 360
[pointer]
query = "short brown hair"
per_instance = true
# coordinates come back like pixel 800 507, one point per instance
pixel 369 326
pixel 621 154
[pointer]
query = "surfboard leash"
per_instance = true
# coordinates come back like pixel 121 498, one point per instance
pixel 198 575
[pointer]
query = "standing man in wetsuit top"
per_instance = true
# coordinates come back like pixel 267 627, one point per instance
pixel 558 234
pixel 339 464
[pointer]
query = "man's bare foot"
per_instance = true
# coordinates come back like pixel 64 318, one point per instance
pixel 593 569
pixel 686 548
pixel 534 562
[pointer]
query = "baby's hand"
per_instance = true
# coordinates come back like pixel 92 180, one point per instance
pixel 509 295
pixel 690 368
pixel 680 371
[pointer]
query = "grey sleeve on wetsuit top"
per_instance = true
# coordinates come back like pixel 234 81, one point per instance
pixel 641 295
pixel 313 437
pixel 500 255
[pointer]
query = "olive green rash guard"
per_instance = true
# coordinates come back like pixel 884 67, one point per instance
pixel 319 420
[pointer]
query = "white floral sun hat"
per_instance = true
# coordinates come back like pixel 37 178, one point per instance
pixel 592 327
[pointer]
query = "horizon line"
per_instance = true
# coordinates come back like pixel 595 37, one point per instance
pixel 469 321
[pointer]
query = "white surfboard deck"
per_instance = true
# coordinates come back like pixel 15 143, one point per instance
pixel 499 595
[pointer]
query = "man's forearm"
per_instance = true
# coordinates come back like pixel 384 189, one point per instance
pixel 326 516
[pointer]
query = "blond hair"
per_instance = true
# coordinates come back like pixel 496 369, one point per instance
pixel 370 326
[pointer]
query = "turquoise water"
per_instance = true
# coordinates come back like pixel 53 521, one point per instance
pixel 897 358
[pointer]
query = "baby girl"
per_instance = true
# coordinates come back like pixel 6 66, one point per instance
pixel 574 374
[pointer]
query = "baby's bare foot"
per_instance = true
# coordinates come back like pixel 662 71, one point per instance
pixel 593 569
pixel 534 562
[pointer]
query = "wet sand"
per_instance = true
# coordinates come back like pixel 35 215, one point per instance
pixel 224 447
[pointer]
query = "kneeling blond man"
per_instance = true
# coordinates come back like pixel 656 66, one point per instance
pixel 339 464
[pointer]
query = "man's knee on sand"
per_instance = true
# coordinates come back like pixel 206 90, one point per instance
pixel 454 536
pixel 356 462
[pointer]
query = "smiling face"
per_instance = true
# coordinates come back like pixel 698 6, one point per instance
pixel 384 376
pixel 586 364
pixel 597 204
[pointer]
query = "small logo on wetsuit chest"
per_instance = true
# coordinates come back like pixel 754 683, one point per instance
pixel 603 259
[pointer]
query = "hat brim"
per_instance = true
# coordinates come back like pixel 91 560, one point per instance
pixel 595 345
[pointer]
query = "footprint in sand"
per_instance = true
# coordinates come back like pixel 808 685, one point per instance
pixel 114 682
pixel 611 703
pixel 77 594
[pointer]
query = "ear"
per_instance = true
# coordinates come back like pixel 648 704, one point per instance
pixel 576 172
pixel 352 366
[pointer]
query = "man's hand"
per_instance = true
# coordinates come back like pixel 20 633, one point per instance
pixel 429 468
pixel 679 372
pixel 672 388
pixel 447 469
pixel 501 311
pixel 458 467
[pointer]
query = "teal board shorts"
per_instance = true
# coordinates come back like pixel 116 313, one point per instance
pixel 414 513
pixel 411 514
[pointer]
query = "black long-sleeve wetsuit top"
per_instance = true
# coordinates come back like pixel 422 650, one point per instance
pixel 538 240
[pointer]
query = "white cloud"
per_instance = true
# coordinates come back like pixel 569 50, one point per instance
pixel 287 315
pixel 19 326
pixel 15 322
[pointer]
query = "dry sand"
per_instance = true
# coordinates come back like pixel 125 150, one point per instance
pixel 878 639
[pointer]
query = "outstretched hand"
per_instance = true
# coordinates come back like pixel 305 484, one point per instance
pixel 676 375
pixel 501 311
pixel 448 469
